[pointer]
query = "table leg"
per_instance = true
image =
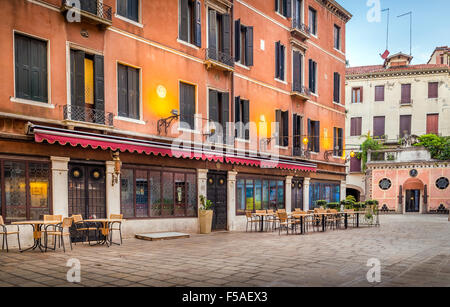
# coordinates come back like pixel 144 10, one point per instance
pixel 323 222
pixel 301 224
pixel 261 226
pixel 357 220
pixel 346 220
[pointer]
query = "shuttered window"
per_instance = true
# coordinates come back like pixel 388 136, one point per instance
pixel 219 114
pixel 297 71
pixel 314 136
pixel 280 55
pixel 337 37
pixel 282 118
pixel 242 118
pixel 338 141
pixel 312 76
pixel 128 91
pixel 378 126
pixel 219 37
pixel 406 93
pixel 357 96
pixel 356 126
pixel 128 9
pixel 405 125
pixel 433 89
pixel 243 43
pixel 297 134
pixel 313 21
pixel 284 7
pixel 187 106
pixel 355 165
pixel 337 87
pixel 433 124
pixel 190 22
pixel 379 93
pixel 31 68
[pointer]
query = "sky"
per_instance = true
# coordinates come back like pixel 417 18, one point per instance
pixel 366 40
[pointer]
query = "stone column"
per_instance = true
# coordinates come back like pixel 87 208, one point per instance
pixel 231 200
pixel 202 178
pixel 306 182
pixel 60 185
pixel 288 198
pixel 343 190
pixel 112 191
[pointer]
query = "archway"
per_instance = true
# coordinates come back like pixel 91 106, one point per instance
pixel 414 190
pixel 355 193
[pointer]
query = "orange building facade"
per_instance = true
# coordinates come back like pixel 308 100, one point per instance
pixel 93 99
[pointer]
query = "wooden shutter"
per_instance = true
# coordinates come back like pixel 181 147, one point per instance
pixel 295 131
pixel 433 124
pixel 433 89
pixel 22 63
pixel 184 22
pixel 285 120
pixel 378 125
pixel 277 2
pixel 132 10
pixel 282 60
pixel 212 39
pixel 225 103
pixel 310 143
pixel 335 141
pixel 99 83
pixel 288 8
pixel 277 60
pixel 355 165
pixel 237 109
pixel 379 93
pixel 406 93
pixel 79 78
pixel 198 23
pixel 187 105
pixel 237 40
pixel 122 75
pixel 246 117
pixel 405 125
pixel 337 89
pixel 122 7
pixel 213 106
pixel 280 127
pixel 317 136
pixel 341 141
pixel 249 47
pixel 133 93
pixel 226 28
pixel 359 126
pixel 296 71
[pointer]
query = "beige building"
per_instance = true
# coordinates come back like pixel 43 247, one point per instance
pixel 390 101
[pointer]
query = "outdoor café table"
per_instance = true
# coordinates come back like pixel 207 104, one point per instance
pixel 261 219
pixel 301 217
pixel 105 228
pixel 37 232
pixel 324 215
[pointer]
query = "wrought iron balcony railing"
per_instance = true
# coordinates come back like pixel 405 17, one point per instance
pixel 87 115
pixel 406 102
pixel 94 7
pixel 298 25
pixel 216 55
pixel 298 87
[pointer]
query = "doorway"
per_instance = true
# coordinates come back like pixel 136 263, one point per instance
pixel 217 193
pixel 412 201
pixel 87 190
pixel 297 194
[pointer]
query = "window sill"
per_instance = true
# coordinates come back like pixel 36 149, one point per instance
pixel 315 36
pixel 187 44
pixel 282 147
pixel 337 50
pixel 339 104
pixel 281 81
pixel 32 103
pixel 130 120
pixel 315 95
pixel 282 16
pixel 242 66
pixel 242 140
pixel 137 24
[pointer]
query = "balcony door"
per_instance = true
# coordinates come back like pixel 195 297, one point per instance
pixel 412 201
pixel 297 12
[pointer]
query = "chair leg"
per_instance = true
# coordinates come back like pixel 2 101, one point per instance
pixel 70 241
pixel 5 236
pixel 61 241
pixel 120 233
pixel 18 241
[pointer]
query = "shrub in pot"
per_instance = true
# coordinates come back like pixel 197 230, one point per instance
pixel 205 215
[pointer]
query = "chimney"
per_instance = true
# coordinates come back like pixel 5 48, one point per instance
pixel 397 60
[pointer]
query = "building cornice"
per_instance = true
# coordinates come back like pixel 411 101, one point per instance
pixel 336 9
pixel 400 73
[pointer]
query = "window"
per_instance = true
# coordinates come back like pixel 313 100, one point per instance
pixel 283 7
pixel 25 190
pixel 314 136
pixel 30 68
pixel 87 87
pixel 128 9
pixel 355 165
pixel 297 68
pixel 243 44
pixel 282 118
pixel 242 118
pixel 313 76
pixel 128 91
pixel 379 93
pixel 259 193
pixel 406 94
pixel 433 89
pixel 219 115
pixel 187 106
pixel 151 193
pixel 357 96
pixel 190 25
pixel 280 55
pixel 313 21
pixel 219 37
pixel 337 37
pixel 355 126
pixel 378 126
pixel 328 191
pixel 337 88
pixel 297 131
pixel 338 142
pixel 405 125
pixel 433 124
pixel 385 184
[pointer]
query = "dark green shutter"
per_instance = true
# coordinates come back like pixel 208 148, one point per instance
pixel 317 134
pixel 237 115
pixel 226 28
pixel 225 115
pixel 285 120
pixel 296 71
pixel 132 10
pixel 23 70
pixel 278 120
pixel 249 47
pixel 212 40
pixel 288 8
pixel 198 24
pixel 237 40
pixel 99 88
pixel 133 92
pixel 122 75
pixel 277 60
pixel 184 22
pixel 246 117
pixel 122 7
pixel 213 106
pixel 78 85
pixel 282 58
pixel 310 142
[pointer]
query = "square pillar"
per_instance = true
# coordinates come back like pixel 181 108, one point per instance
pixel 306 183
pixel 60 185
pixel 202 178
pixel 231 199
pixel 288 198
pixel 343 190
pixel 112 191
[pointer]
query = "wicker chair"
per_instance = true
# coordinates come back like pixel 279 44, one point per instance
pixel 351 217
pixel 5 233
pixel 285 222
pixel 252 220
pixel 117 226
pixel 59 232
pixel 272 219
pixel 82 230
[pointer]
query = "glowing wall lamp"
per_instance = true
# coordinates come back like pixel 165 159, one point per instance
pixel 161 91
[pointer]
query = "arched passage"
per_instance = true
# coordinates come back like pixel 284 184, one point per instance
pixel 414 189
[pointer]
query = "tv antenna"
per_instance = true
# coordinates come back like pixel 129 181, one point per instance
pixel 410 30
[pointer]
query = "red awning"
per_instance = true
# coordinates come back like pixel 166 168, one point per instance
pixel 114 143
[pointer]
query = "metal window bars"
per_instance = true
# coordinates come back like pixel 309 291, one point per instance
pixel 84 114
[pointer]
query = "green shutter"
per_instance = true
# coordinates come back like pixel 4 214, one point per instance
pixel 122 75
pixel 184 21
pixel 246 118
pixel 237 40
pixel 99 87
pixel 249 47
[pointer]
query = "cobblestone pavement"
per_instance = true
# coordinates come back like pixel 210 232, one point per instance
pixel 413 250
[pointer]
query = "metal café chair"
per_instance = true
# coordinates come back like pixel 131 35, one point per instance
pixel 5 233
pixel 252 220
pixel 117 226
pixel 82 230
pixel 59 232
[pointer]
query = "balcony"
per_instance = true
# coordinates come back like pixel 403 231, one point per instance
pixel 300 30
pixel 92 11
pixel 299 90
pixel 219 60
pixel 300 152
pixel 87 115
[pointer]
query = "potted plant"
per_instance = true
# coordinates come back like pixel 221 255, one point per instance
pixel 205 215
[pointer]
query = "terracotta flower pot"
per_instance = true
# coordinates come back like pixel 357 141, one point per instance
pixel 205 220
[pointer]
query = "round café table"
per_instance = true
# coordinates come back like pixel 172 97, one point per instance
pixel 37 232
pixel 105 228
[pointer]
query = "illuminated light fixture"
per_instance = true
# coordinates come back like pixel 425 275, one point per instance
pixel 117 165
pixel 352 154
pixel 161 91
pixel 262 118
pixel 305 141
